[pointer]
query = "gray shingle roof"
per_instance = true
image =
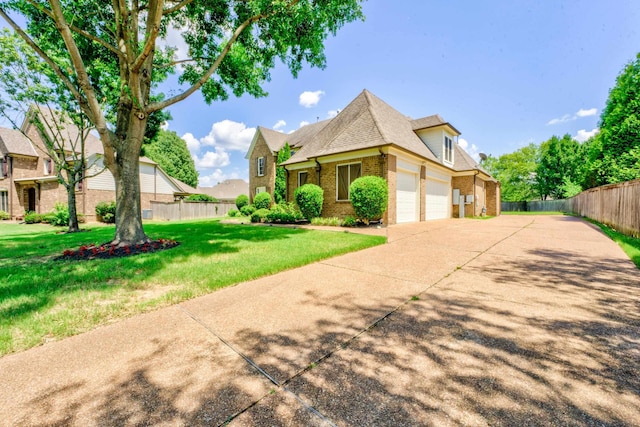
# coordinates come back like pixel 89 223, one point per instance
pixel 14 142
pixel 57 126
pixel 227 190
pixel 367 122
pixel 431 121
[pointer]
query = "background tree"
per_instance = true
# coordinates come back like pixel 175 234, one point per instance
pixel 171 153
pixel 516 172
pixel 561 166
pixel 28 94
pixel 110 62
pixel 280 191
pixel 615 154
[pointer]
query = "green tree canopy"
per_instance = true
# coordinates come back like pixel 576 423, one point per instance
pixel 616 152
pixel 171 153
pixel 561 167
pixel 110 57
pixel 516 173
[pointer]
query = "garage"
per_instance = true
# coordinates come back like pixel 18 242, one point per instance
pixel 407 206
pixel 437 199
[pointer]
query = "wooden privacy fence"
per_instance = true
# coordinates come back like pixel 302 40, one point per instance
pixel 616 205
pixel 180 210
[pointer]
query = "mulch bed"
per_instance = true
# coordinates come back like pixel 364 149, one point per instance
pixel 107 250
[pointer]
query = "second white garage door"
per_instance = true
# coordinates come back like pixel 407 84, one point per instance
pixel 437 199
pixel 407 197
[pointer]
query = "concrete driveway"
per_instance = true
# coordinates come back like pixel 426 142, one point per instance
pixel 517 320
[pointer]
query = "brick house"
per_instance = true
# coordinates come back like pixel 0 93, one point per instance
pixel 429 175
pixel 29 182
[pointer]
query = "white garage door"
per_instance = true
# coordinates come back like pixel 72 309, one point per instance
pixel 407 197
pixel 437 199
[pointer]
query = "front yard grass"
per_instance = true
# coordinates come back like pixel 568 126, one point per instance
pixel 43 300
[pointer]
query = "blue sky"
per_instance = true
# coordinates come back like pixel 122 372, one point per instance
pixel 504 73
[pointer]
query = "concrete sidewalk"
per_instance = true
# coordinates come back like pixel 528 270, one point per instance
pixel 516 320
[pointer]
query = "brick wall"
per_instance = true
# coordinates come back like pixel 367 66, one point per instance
pixel 465 185
pixel 493 198
pixel 292 181
pixel 268 180
pixel 390 217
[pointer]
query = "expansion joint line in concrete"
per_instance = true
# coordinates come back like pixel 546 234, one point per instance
pixel 262 372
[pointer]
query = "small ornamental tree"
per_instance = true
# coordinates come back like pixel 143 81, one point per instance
pixel 309 198
pixel 369 195
pixel 280 192
pixel 241 201
pixel 262 201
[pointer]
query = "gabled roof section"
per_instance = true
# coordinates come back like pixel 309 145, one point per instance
pixel 227 190
pixel 14 142
pixel 464 162
pixel 367 122
pixel 430 122
pixel 57 125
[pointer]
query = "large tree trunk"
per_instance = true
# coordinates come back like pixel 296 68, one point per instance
pixel 129 230
pixel 73 211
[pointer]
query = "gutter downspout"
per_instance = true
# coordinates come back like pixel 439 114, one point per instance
pixel 318 170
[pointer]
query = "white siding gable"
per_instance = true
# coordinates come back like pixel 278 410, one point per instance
pixel 434 139
pixel 152 179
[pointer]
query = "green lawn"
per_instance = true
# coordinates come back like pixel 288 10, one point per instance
pixel 630 245
pixel 42 299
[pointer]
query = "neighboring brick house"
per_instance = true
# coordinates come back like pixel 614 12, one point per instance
pixel 426 169
pixel 29 182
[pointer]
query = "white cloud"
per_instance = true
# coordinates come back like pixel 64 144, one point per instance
pixel 193 144
pixel 280 124
pixel 310 99
pixel 213 159
pixel 174 39
pixel 229 135
pixel 332 113
pixel 584 134
pixel 586 113
pixel 214 178
pixel 471 149
pixel 568 117
pixel 303 123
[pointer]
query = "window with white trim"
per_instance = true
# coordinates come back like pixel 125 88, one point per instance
pixel 4 200
pixel 345 175
pixel 302 178
pixel 260 166
pixel 448 149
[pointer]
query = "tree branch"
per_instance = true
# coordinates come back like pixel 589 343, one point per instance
pixel 75 29
pixel 95 112
pixel 152 34
pixel 43 55
pixel 177 7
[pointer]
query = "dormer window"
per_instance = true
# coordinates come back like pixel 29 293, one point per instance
pixel 448 149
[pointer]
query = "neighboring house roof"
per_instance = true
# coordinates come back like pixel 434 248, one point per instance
pixel 14 142
pixel 367 122
pixel 56 125
pixel 226 190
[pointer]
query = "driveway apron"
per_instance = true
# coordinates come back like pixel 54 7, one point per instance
pixel 516 320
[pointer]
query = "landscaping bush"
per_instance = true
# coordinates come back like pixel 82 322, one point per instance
pixel 242 200
pixel 262 201
pixel 233 213
pixel 309 198
pixel 201 198
pixel 247 210
pixel 106 212
pixel 331 221
pixel 60 215
pixel 349 221
pixel 260 215
pixel 32 217
pixel 284 213
pixel 4 215
pixel 369 196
